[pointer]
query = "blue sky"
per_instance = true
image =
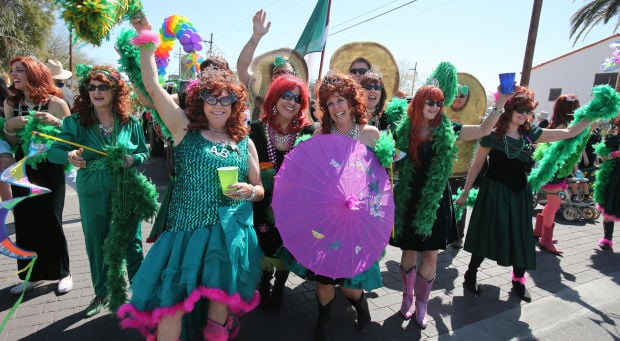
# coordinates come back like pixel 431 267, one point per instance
pixel 479 37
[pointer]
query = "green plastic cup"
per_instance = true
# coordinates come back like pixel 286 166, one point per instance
pixel 228 176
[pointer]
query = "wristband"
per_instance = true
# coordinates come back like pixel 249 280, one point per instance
pixel 7 133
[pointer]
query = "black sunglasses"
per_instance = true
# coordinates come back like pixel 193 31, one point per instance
pixel 360 71
pixel 377 87
pixel 431 103
pixel 460 96
pixel 287 96
pixel 522 111
pixel 100 87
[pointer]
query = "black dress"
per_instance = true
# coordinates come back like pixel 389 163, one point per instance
pixel 38 220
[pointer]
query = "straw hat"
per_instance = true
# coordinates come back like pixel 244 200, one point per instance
pixel 57 71
pixel 380 58
pixel 262 66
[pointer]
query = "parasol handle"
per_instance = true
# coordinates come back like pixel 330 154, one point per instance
pixel 68 142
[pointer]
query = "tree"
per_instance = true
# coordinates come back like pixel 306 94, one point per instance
pixel 592 14
pixel 25 29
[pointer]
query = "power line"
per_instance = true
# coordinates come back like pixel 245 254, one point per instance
pixel 363 14
pixel 372 18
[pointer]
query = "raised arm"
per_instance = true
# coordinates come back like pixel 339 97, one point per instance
pixel 479 159
pixel 473 132
pixel 170 112
pixel 549 135
pixel 259 29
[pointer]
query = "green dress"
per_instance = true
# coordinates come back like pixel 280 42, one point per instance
pixel 94 189
pixel 500 227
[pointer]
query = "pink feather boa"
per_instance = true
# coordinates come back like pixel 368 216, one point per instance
pixel 518 279
pixel 148 38
pixel 146 321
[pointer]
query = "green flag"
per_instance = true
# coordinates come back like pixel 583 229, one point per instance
pixel 315 34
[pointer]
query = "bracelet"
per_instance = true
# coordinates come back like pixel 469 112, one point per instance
pixel 252 194
pixel 7 133
pixel 497 111
pixel 146 38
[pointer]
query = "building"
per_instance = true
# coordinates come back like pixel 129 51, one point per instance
pixel 577 72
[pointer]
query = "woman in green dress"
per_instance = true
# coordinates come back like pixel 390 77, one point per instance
pixel 102 119
pixel 500 227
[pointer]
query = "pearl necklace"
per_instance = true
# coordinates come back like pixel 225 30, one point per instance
pixel 352 133
pixel 282 143
pixel 216 130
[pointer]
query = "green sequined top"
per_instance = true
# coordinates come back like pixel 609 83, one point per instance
pixel 197 193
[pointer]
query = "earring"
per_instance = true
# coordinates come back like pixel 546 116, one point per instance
pixel 274 111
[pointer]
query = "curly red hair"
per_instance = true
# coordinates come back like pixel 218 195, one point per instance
pixel 39 82
pixel 523 98
pixel 350 90
pixel 121 102
pixel 279 86
pixel 416 117
pixel 215 81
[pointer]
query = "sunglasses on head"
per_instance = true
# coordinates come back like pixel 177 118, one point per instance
pixel 431 103
pixel 522 111
pixel 288 96
pixel 377 87
pixel 100 87
pixel 360 71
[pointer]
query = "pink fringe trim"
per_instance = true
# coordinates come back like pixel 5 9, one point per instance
pixel 518 279
pixel 146 37
pixel 606 242
pixel 615 153
pixel 146 321
pixel 607 215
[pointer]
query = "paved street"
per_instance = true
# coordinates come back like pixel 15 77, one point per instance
pixel 575 297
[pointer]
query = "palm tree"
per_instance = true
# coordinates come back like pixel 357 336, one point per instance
pixel 592 14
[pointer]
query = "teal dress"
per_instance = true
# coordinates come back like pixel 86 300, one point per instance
pixel 94 189
pixel 500 227
pixel 209 248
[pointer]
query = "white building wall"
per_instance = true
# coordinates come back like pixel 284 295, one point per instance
pixel 573 73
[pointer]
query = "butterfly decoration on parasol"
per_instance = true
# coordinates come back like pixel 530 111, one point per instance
pixel 333 205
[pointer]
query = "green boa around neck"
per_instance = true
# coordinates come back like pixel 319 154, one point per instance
pixel 605 104
pixel 438 173
pixel 603 173
pixel 134 198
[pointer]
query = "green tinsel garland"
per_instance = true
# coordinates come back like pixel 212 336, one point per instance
pixel 438 173
pixel 471 200
pixel 604 105
pixel 604 172
pixel 134 198
pixel 130 64
pixel 25 135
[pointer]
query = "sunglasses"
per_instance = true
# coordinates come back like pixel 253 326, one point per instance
pixel 360 71
pixel 288 96
pixel 377 87
pixel 461 96
pixel 283 72
pixel 100 87
pixel 431 103
pixel 522 111
pixel 224 101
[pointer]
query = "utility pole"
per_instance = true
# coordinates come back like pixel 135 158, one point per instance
pixel 210 42
pixel 415 72
pixel 71 51
pixel 531 43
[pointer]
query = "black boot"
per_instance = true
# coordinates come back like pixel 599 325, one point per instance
pixel 264 288
pixel 278 288
pixel 321 333
pixel 363 315
pixel 519 289
pixel 470 282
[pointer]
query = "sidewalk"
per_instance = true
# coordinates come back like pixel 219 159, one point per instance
pixel 573 297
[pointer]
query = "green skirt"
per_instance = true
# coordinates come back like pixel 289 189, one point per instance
pixel 500 227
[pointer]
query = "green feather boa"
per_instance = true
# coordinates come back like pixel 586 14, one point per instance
pixel 447 80
pixel 384 149
pixel 603 173
pixel 471 200
pixel 438 173
pixel 25 135
pixel 134 198
pixel 130 64
pixel 604 105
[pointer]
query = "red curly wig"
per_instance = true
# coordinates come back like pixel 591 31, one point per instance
pixel 215 81
pixel 39 82
pixel 416 117
pixel 350 90
pixel 279 86
pixel 523 98
pixel 121 103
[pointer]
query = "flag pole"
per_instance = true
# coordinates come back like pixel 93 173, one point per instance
pixel 329 8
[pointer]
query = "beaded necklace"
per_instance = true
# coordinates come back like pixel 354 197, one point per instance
pixel 224 147
pixel 524 146
pixel 352 133
pixel 103 136
pixel 284 144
